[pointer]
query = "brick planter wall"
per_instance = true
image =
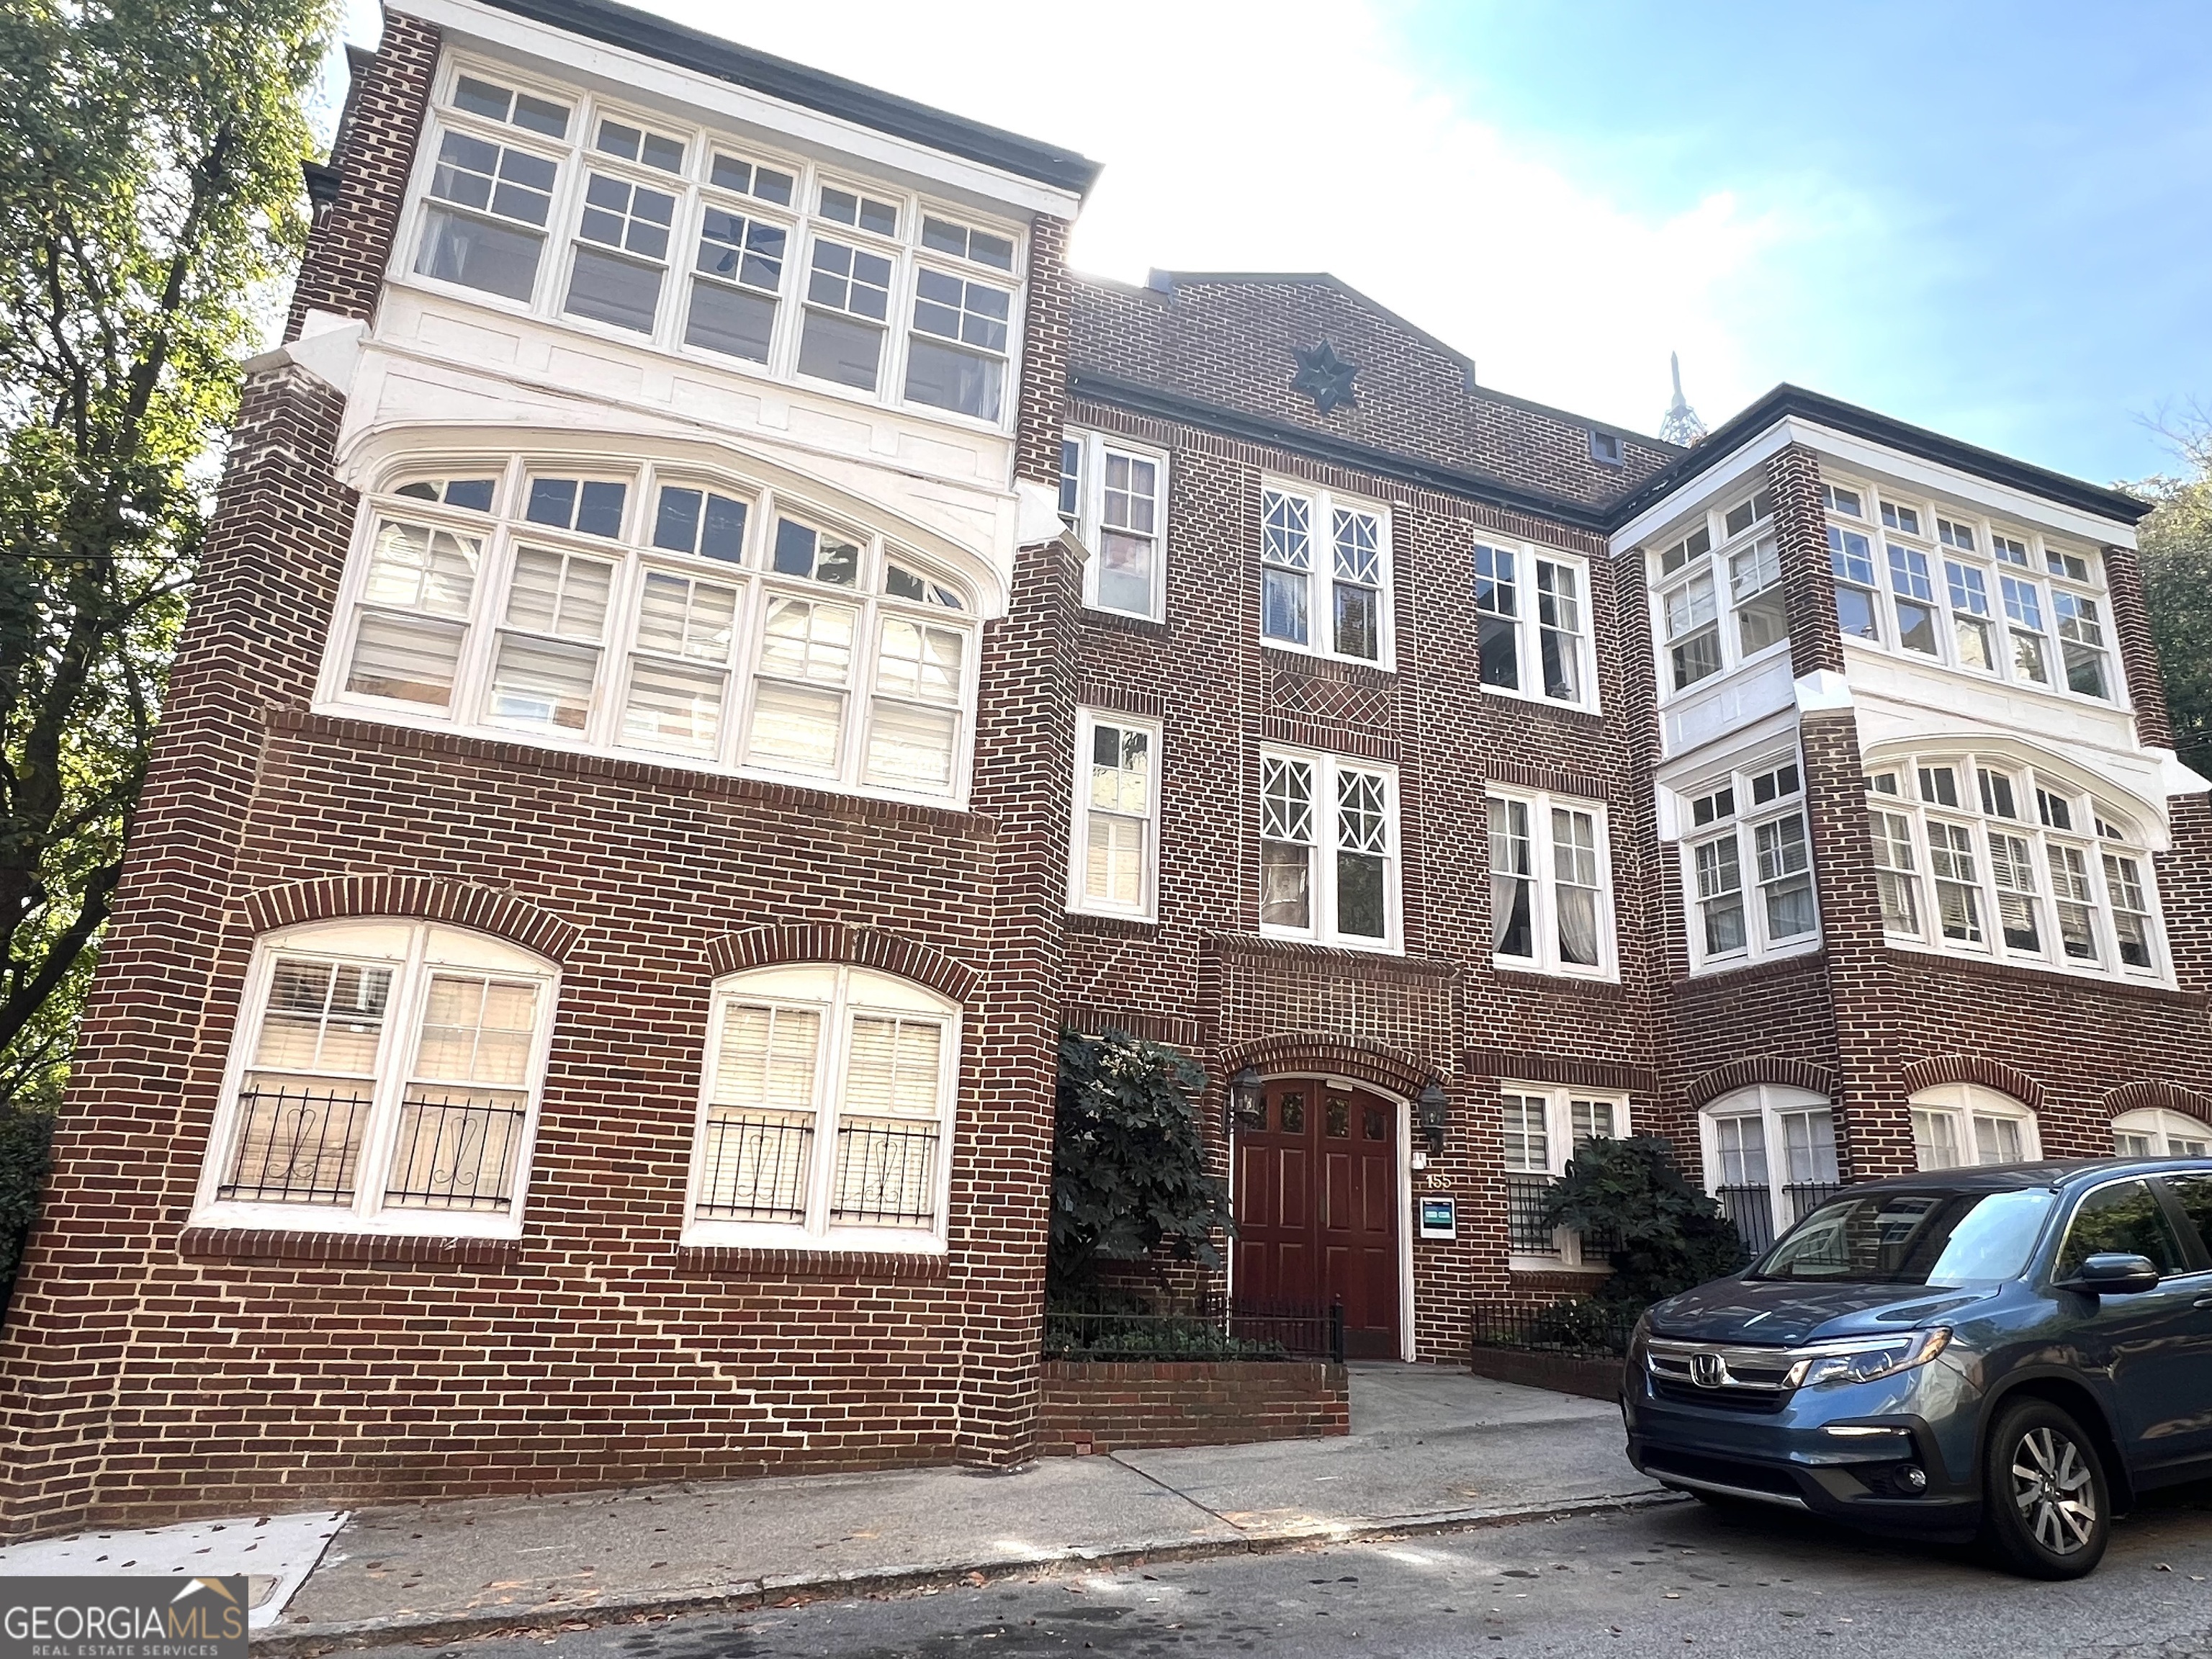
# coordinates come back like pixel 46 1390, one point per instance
pixel 1101 1407
pixel 1593 1379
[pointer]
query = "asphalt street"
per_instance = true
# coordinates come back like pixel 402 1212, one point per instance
pixel 1673 1579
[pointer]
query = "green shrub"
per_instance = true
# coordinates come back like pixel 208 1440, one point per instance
pixel 1661 1233
pixel 25 1139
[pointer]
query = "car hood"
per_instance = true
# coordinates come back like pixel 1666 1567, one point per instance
pixel 1745 1310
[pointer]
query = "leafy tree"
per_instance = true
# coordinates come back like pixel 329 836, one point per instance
pixel 149 191
pixel 1662 1234
pixel 2176 540
pixel 1128 1170
pixel 24 1135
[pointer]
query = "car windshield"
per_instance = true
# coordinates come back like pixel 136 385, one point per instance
pixel 1910 1238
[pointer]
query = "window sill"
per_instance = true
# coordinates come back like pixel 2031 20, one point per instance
pixel 256 1244
pixel 2045 975
pixel 1555 979
pixel 1552 1264
pixel 1112 925
pixel 1334 947
pixel 1395 965
pixel 1733 973
pixel 1529 700
pixel 1300 659
pixel 1125 621
pixel 748 1262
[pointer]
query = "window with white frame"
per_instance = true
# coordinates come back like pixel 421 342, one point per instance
pixel 1942 582
pixel 1747 865
pixel 1551 884
pixel 1114 866
pixel 1985 856
pixel 1542 1125
pixel 1328 849
pixel 385 1077
pixel 2155 1132
pixel 1531 628
pixel 1958 1124
pixel 1114 495
pixel 1325 575
pixel 703 245
pixel 657 611
pixel 1717 594
pixel 825 1111
pixel 1770 1155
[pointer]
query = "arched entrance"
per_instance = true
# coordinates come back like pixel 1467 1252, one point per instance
pixel 1316 1202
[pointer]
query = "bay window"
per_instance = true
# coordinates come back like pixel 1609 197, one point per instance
pixel 1532 627
pixel 1748 866
pixel 825 1112
pixel 1113 496
pixel 1113 864
pixel 1717 594
pixel 384 1078
pixel 1325 575
pixel 1551 886
pixel 1769 1157
pixel 1328 850
pixel 1962 1124
pixel 700 621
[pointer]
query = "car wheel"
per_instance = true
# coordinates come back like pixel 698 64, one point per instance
pixel 2046 1507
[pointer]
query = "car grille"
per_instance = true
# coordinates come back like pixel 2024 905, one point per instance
pixel 1720 1376
pixel 1724 1400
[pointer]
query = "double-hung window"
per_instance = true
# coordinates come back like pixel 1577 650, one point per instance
pixel 1770 1158
pixel 1328 849
pixel 1717 594
pixel 384 1078
pixel 1962 1123
pixel 1325 578
pixel 623 236
pixel 1542 1128
pixel 826 1112
pixel 1532 624
pixel 1114 866
pixel 1551 881
pixel 737 272
pixel 2155 1132
pixel 2017 865
pixel 1748 866
pixel 1114 496
pixel 491 191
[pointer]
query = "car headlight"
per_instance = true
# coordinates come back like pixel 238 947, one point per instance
pixel 1868 1358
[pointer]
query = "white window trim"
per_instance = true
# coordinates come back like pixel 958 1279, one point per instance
pixel 849 991
pixel 1528 629
pixel 1559 1145
pixel 1965 1102
pixel 1769 1102
pixel 1744 825
pixel 2162 1128
pixel 694 193
pixel 1981 557
pixel 368 940
pixel 500 530
pixel 1544 911
pixel 1089 516
pixel 1714 562
pixel 2025 779
pixel 1320 617
pixel 1321 877
pixel 1087 721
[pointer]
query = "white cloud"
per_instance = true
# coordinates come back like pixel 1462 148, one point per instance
pixel 1302 134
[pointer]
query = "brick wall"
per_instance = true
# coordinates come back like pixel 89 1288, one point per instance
pixel 1089 1406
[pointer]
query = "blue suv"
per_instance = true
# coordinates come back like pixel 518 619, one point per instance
pixel 2012 1354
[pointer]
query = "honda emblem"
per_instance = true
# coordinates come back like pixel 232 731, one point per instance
pixel 1708 1370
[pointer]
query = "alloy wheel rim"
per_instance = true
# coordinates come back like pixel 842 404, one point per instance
pixel 2051 1485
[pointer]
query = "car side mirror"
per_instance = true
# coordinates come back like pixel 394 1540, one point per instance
pixel 2113 1273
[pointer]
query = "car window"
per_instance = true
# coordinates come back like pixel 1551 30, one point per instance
pixel 2195 1192
pixel 1912 1238
pixel 2126 1218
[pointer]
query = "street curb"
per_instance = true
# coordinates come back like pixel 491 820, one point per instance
pixel 301 1641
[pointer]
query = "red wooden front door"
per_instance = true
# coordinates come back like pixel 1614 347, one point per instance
pixel 1317 1208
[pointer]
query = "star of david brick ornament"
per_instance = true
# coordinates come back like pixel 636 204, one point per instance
pixel 1323 376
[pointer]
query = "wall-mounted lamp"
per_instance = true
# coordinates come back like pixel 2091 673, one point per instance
pixel 1434 1110
pixel 1247 1102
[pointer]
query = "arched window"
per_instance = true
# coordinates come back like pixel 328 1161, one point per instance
pixel 651 611
pixel 2155 1133
pixel 385 1077
pixel 1769 1157
pixel 825 1111
pixel 1979 854
pixel 1963 1123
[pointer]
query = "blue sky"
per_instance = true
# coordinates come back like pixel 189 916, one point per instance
pixel 1991 220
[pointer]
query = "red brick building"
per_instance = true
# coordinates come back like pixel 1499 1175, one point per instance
pixel 715 647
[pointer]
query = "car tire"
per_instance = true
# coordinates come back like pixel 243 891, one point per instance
pixel 2046 1506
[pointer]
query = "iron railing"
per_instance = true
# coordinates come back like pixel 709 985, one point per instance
pixel 295 1146
pixel 1575 1329
pixel 455 1153
pixel 1243 1330
pixel 886 1173
pixel 1527 1231
pixel 1753 1210
pixel 754 1165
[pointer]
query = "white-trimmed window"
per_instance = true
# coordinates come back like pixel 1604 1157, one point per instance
pixel 656 611
pixel 384 1078
pixel 1981 854
pixel 1325 575
pixel 1938 581
pixel 1747 865
pixel 825 1112
pixel 2155 1132
pixel 1328 849
pixel 1114 866
pixel 1958 1124
pixel 1717 594
pixel 1114 495
pixel 1551 884
pixel 1532 629
pixel 704 245
pixel 1770 1155
pixel 1543 1124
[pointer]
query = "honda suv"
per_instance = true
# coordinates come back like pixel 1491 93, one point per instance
pixel 2013 1353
